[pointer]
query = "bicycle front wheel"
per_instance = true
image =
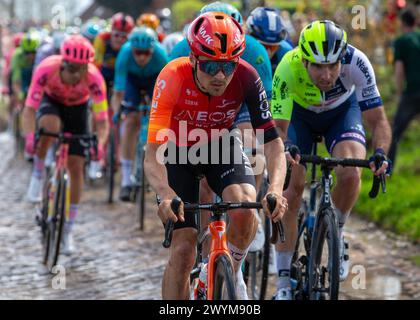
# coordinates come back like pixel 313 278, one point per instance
pixel 223 285
pixel 324 258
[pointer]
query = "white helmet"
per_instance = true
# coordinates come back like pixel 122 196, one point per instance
pixel 171 41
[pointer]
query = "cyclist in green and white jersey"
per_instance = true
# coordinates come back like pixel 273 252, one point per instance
pixel 323 87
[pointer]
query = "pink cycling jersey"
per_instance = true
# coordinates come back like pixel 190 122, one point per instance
pixel 46 79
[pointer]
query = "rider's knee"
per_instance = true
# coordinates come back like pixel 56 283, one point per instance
pixel 349 178
pixel 182 256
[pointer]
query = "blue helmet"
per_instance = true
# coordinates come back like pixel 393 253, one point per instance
pixel 90 31
pixel 225 8
pixel 143 38
pixel 265 25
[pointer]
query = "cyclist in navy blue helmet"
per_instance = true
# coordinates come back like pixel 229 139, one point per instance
pixel 265 25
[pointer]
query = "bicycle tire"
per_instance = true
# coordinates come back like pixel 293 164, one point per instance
pixel 111 166
pixel 325 231
pixel 223 279
pixel 58 221
pixel 256 267
pixel 142 198
pixel 52 230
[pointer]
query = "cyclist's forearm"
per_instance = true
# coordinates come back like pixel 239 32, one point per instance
pixel 157 174
pixel 102 131
pixel 28 120
pixel 276 163
pixel 378 124
pixel 382 135
pixel 116 100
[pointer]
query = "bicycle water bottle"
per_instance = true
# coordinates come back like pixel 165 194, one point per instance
pixel 202 283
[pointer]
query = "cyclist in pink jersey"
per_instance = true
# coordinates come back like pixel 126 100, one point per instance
pixel 58 99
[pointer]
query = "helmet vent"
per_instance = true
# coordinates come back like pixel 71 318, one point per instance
pixel 313 47
pixel 223 41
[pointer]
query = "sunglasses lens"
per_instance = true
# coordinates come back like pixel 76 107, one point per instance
pixel 142 52
pixel 214 67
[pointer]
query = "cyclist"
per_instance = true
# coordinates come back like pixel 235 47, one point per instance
pixel 50 48
pixel 322 87
pixel 7 74
pixel 22 65
pixel 256 55
pixel 108 44
pixel 59 98
pixel 171 41
pixel 138 65
pixel 152 21
pixel 198 96
pixel 265 25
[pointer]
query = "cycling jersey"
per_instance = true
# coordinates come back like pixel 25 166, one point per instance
pixel 292 86
pixel 46 50
pixel 21 69
pixel 126 65
pixel 105 56
pixel 179 105
pixel 284 48
pixel 255 54
pixel 47 80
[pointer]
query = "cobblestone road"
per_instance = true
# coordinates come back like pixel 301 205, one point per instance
pixel 115 260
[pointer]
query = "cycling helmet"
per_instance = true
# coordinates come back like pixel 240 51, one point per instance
pixel 323 42
pixel 216 35
pixel 225 8
pixel 17 38
pixel 30 42
pixel 171 41
pixel 265 25
pixel 142 38
pixel 122 22
pixel 148 20
pixel 90 31
pixel 77 49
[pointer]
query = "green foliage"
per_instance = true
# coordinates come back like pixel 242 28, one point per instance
pixel 184 11
pixel 399 208
pixel 133 8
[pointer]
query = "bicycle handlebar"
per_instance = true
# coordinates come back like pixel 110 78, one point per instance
pixel 361 163
pixel 278 228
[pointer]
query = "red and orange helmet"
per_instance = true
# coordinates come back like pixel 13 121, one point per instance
pixel 122 22
pixel 217 36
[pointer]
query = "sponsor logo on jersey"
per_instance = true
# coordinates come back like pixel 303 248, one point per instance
pixel 365 70
pixel 369 92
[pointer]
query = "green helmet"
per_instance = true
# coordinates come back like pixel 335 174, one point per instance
pixel 30 42
pixel 225 8
pixel 323 42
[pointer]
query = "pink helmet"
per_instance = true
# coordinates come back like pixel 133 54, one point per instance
pixel 77 49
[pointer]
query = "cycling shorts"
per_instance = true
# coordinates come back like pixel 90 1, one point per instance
pixel 184 179
pixel 339 124
pixel 74 119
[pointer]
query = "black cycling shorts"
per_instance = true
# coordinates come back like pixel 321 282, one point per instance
pixel 74 119
pixel 184 178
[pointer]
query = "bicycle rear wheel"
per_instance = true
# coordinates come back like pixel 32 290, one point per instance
pixel 256 267
pixel 223 285
pixel 324 259
pixel 142 198
pixel 110 166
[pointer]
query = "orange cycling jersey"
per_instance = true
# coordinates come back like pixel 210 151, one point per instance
pixel 179 106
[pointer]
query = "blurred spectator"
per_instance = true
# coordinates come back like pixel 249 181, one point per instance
pixel 407 70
